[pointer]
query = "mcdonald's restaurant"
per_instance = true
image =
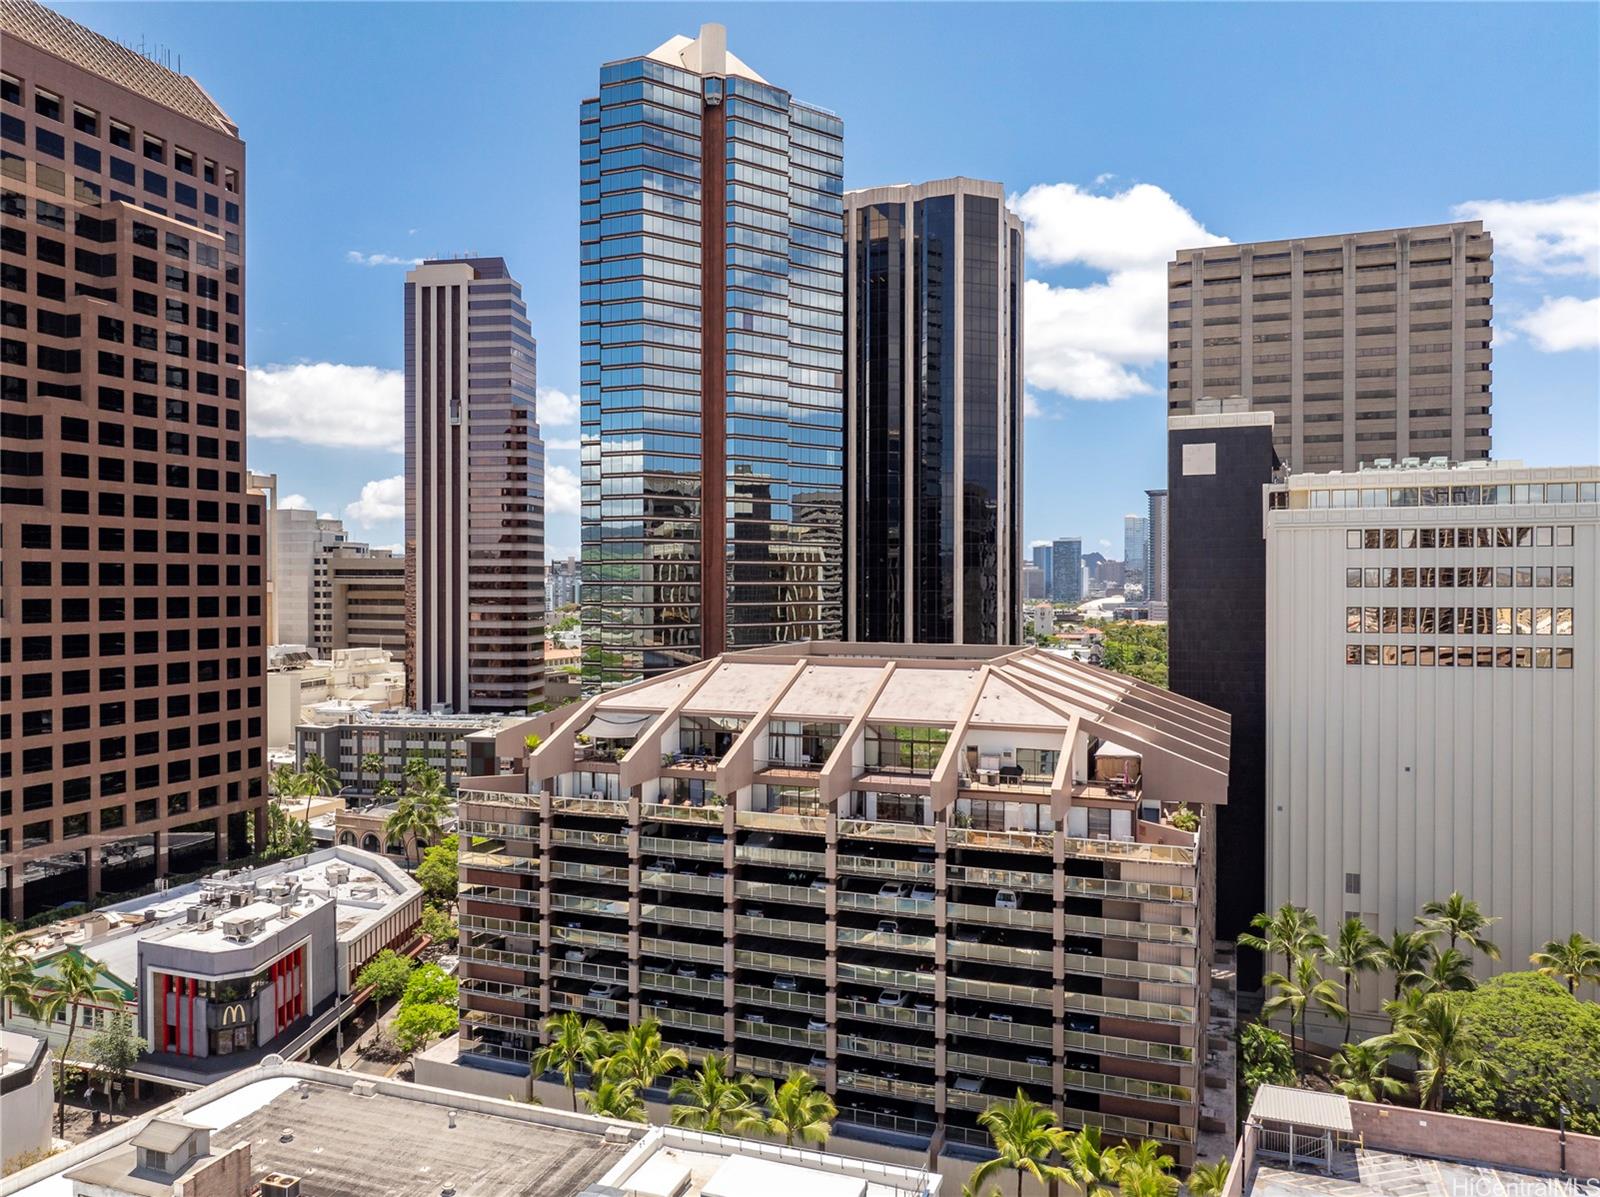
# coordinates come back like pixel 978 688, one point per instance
pixel 246 981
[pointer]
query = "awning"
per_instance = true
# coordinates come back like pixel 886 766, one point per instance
pixel 617 725
pixel 1107 748
pixel 1301 1107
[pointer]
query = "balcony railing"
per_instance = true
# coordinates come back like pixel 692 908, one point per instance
pixel 785 857
pixel 1133 1128
pixel 1100 1082
pixel 1016 957
pixel 687 883
pixel 616 908
pixel 998 991
pixel 681 916
pixel 886 1049
pixel 778 821
pixel 886 978
pixel 1170 933
pixel 660 845
pixel 680 949
pixel 876 1012
pixel 992 1066
pixel 500 862
pixel 599 1007
pixel 768 891
pixel 610 840
pixel 526 928
pixel 762 1065
pixel 990 1028
pixel 886 830
pixel 611 808
pixel 781 928
pixel 875 866
pixel 1142 970
pixel 904 1090
pixel 777 962
pixel 573 871
pixel 1138 1049
pixel 879 904
pixel 500 957
pixel 782 999
pixel 1000 841
pixel 489 829
pixel 1176 854
pixel 885 940
pixel 1138 891
pixel 1027 879
pixel 500 893
pixel 1000 916
pixel 580 937
pixel 773 1032
pixel 875 1120
pixel 1089 1003
pixel 681 812
pixel 496 798
pixel 689 1020
pixel 699 986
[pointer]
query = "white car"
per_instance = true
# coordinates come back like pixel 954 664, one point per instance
pixel 1005 899
pixel 601 990
pixel 756 1018
pixel 922 892
pixel 969 1084
pixel 892 889
pixel 888 927
pixel 892 997
pixel 816 1024
pixel 576 955
pixel 787 984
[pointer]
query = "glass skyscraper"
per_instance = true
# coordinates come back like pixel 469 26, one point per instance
pixel 712 333
pixel 934 513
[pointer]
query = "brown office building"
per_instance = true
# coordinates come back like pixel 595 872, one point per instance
pixel 132 637
pixel 1363 345
pixel 474 491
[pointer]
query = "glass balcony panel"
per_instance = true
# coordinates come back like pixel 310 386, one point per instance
pixel 783 999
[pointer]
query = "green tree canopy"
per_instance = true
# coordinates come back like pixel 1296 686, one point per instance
pixel 1547 1046
pixel 438 872
pixel 429 985
pixel 387 974
pixel 1265 1058
pixel 419 1024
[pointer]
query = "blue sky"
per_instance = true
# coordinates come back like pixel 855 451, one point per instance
pixel 380 133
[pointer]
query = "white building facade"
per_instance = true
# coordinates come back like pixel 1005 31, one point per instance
pixel 1432 698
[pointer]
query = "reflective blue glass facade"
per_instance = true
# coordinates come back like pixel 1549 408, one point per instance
pixel 712 329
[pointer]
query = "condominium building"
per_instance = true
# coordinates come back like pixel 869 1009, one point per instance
pixel 474 491
pixel 131 653
pixel 348 744
pixel 927 874
pixel 302 542
pixel 933 414
pixel 1042 550
pixel 367 599
pixel 1066 566
pixel 712 473
pixel 1431 660
pixel 1364 345
pixel 563 583
pixel 1155 547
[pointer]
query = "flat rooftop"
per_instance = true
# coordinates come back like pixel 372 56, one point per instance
pixel 1371 1173
pixel 317 1125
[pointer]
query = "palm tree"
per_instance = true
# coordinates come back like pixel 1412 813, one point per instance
pixel 615 1099
pixel 411 824
pixel 1289 933
pixel 1297 994
pixel 1093 1167
pixel 638 1056
pixel 1574 960
pixel 1448 971
pixel 1025 1136
pixel 17 978
pixel 371 762
pixel 1406 955
pixel 1144 1171
pixel 1357 950
pixel 1208 1180
pixel 575 1042
pixel 1361 1072
pixel 76 982
pixel 712 1100
pixel 1461 920
pixel 1437 1035
pixel 796 1109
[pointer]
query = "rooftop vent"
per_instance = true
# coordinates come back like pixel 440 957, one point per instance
pixel 241 930
pixel 277 1184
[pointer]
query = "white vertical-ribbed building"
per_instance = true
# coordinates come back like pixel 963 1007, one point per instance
pixel 1432 715
pixel 474 491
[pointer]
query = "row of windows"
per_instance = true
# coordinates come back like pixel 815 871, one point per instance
pixel 1446 656
pixel 1465 576
pixel 1464 621
pixel 1502 537
pixel 1448 496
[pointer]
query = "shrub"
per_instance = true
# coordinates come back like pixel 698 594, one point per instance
pixel 1264 1059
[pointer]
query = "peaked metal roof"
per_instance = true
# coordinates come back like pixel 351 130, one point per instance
pixel 1302 1107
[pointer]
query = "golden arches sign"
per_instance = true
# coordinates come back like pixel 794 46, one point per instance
pixel 234 1013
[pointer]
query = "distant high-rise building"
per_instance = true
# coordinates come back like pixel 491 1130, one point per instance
pixel 933 414
pixel 1032 582
pixel 1155 552
pixel 1216 627
pixel 1363 345
pixel 713 470
pixel 367 599
pixel 1135 542
pixel 134 575
pixel 474 491
pixel 1041 558
pixel 1066 564
pixel 563 585
pixel 302 541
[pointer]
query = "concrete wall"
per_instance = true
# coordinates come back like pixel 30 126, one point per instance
pixel 25 1100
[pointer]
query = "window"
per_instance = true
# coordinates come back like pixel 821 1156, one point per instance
pixel 1563 621
pixel 1564 536
pixel 47 104
pixel 155 149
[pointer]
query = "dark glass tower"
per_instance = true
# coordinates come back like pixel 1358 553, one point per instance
pixel 712 335
pixel 934 510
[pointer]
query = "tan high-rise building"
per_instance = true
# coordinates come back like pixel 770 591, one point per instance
pixel 1363 345
pixel 367 599
pixel 474 491
pixel 132 593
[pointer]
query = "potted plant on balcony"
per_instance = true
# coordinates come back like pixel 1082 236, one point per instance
pixel 1184 819
pixel 714 799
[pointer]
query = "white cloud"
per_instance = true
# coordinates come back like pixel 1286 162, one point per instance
pixel 294 503
pixel 381 500
pixel 356 258
pixel 1560 235
pixel 1563 323
pixel 329 404
pixel 560 490
pixel 1089 342
pixel 556 407
pixel 563 444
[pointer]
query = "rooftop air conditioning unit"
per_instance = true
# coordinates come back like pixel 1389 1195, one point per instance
pixel 277 1184
pixel 240 930
pixel 338 874
pixel 1410 463
pixel 1438 463
pixel 1383 463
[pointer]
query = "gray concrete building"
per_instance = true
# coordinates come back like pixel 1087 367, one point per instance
pixel 1363 345
pixel 1066 570
pixel 1155 547
pixel 301 542
pixel 1431 699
